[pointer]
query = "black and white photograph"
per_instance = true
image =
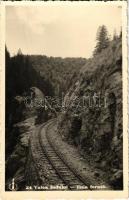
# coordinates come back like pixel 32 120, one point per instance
pixel 64 95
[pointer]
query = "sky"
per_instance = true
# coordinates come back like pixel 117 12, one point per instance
pixel 59 31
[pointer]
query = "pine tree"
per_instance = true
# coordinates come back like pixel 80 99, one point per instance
pixel 19 52
pixel 120 36
pixel 115 36
pixel 102 39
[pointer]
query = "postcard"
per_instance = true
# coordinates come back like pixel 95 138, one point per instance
pixel 63 100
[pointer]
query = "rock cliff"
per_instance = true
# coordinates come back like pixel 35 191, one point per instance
pixel 92 117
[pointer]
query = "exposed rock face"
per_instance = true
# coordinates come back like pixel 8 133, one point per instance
pixel 96 125
pixel 17 160
pixel 18 157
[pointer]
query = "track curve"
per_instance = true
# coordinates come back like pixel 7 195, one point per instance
pixel 64 171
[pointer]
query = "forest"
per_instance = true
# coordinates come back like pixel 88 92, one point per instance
pixel 96 132
pixel 52 76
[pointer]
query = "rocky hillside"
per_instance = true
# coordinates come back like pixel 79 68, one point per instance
pixel 92 119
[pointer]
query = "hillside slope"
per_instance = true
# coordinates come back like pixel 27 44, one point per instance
pixel 59 71
pixel 93 112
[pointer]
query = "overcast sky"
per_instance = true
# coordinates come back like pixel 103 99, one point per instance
pixel 66 31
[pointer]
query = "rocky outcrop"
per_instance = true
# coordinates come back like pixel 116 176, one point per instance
pixel 16 162
pixel 92 119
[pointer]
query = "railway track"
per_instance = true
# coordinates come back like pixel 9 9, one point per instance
pixel 46 173
pixel 68 176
